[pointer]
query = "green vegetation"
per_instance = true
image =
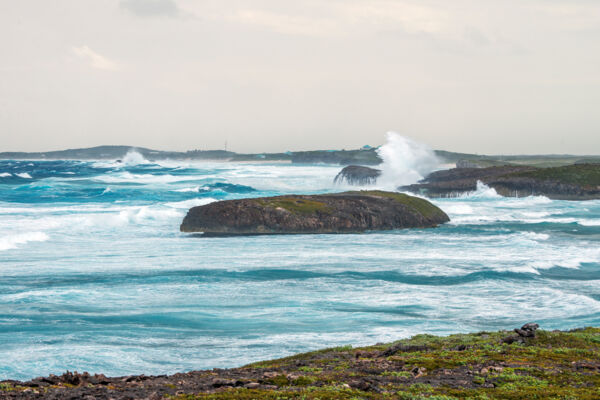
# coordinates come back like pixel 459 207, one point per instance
pixel 580 174
pixel 479 366
pixel 295 205
pixel 420 205
pixel 554 365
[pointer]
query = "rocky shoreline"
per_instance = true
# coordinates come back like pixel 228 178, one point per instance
pixel 526 363
pixel 348 212
pixel 572 182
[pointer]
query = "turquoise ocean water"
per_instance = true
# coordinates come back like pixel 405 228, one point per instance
pixel 95 275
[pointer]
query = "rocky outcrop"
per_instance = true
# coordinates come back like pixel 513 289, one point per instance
pixel 572 182
pixel 467 164
pixel 357 175
pixel 349 212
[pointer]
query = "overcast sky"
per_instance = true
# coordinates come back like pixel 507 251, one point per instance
pixel 505 76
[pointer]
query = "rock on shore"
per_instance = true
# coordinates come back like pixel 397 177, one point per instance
pixel 572 182
pixel 357 175
pixel 348 212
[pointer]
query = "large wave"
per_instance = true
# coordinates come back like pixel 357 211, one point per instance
pixel 134 158
pixel 405 161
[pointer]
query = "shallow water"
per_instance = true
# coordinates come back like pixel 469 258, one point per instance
pixel 95 275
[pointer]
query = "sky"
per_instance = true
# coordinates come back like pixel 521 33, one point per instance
pixel 480 76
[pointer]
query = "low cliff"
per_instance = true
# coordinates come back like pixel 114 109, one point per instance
pixel 349 212
pixel 571 182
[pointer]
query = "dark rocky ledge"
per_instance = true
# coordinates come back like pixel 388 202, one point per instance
pixel 572 182
pixel 357 175
pixel 528 363
pixel 348 212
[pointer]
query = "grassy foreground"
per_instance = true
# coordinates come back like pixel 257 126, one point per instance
pixel 484 365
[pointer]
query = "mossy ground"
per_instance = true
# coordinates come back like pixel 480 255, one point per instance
pixel 300 205
pixel 295 204
pixel 422 206
pixel 553 365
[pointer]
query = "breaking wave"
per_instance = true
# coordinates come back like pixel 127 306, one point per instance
pixel 405 161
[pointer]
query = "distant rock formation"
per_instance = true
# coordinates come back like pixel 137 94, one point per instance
pixel 349 212
pixel 467 164
pixel 571 182
pixel 357 175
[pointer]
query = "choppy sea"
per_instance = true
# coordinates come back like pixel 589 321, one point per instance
pixel 95 275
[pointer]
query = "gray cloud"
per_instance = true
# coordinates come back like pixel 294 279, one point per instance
pixel 151 8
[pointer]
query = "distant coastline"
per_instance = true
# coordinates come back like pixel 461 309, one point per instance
pixel 364 156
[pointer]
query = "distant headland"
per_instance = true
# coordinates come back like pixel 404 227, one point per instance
pixel 366 155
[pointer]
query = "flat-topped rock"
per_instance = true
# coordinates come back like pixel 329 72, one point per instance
pixel 348 212
pixel 571 182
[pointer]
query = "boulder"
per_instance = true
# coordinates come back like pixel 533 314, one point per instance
pixel 357 175
pixel 348 212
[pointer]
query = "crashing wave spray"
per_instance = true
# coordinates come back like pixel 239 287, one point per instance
pixel 134 158
pixel 404 161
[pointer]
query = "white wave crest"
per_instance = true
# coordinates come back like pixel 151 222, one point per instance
pixel 185 204
pixel 134 158
pixel 195 189
pixel 13 241
pixel 589 222
pixel 483 191
pixel 535 235
pixel 24 175
pixel 404 161
pixel 5 174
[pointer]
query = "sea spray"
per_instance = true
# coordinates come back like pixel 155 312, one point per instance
pixel 134 158
pixel 405 161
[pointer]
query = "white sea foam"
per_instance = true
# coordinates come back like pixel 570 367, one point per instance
pixel 13 241
pixel 195 189
pixel 589 222
pixel 127 177
pixel 405 161
pixel 185 204
pixel 5 174
pixel 483 191
pixel 24 175
pixel 535 236
pixel 134 158
pixel 147 214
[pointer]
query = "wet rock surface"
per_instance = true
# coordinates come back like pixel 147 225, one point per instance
pixel 349 212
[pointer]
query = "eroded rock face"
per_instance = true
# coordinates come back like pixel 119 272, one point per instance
pixel 572 182
pixel 349 212
pixel 357 175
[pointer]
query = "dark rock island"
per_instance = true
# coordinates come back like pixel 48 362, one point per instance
pixel 357 175
pixel 349 212
pixel 571 182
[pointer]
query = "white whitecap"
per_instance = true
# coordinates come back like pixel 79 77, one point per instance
pixel 24 175
pixel 134 158
pixel 13 241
